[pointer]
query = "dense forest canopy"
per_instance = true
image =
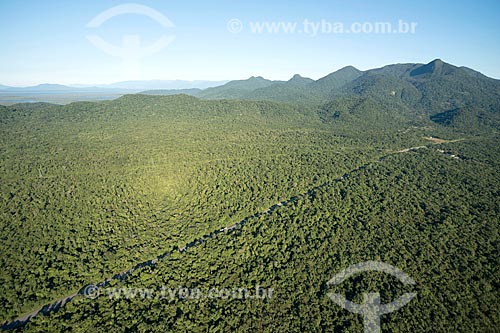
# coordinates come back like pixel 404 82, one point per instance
pixel 398 164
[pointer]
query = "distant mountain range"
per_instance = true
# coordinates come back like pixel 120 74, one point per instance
pixel 40 88
pixel 444 93
pixel 411 83
pixel 163 84
pixel 125 86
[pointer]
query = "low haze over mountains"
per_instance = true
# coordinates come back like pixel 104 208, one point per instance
pixel 122 86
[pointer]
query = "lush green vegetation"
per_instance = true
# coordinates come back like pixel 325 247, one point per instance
pixel 431 215
pixel 88 190
pixel 91 188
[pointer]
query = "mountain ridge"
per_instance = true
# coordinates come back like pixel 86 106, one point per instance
pixel 438 91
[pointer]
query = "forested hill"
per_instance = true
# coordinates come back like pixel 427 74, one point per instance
pixel 437 91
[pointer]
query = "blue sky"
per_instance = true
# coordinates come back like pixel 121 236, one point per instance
pixel 45 41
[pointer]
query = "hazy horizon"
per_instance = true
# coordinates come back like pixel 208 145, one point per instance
pixel 214 82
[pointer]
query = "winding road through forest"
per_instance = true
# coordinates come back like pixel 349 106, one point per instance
pixel 91 290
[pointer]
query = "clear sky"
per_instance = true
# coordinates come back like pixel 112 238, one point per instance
pixel 47 41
